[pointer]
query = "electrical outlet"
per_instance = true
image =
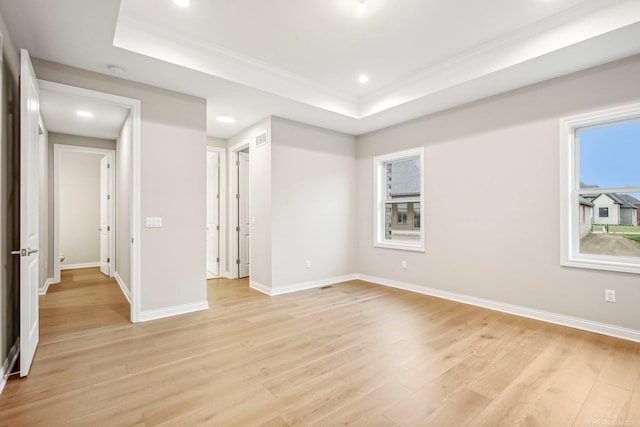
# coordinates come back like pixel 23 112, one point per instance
pixel 404 264
pixel 610 295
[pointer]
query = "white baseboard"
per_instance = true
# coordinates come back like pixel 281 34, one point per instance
pixel 259 287
pixel 123 287
pixel 82 265
pixel 302 286
pixel 545 316
pixel 173 311
pixel 43 290
pixel 7 365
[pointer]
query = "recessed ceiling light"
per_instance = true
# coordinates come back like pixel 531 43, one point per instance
pixel 363 79
pixel 85 114
pixel 362 6
pixel 118 71
pixel 224 118
pixel 182 3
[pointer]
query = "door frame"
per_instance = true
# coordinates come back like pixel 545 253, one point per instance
pixel 234 272
pixel 222 207
pixel 134 106
pixel 58 149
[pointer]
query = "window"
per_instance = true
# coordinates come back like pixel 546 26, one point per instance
pixel 600 190
pixel 399 197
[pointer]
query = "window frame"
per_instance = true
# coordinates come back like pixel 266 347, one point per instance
pixel 379 179
pixel 602 211
pixel 570 255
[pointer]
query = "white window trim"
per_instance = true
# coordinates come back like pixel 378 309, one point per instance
pixel 378 200
pixel 570 255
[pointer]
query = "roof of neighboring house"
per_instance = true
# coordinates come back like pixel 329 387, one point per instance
pixel 624 200
pixel 584 201
pixel 629 199
pixel 405 177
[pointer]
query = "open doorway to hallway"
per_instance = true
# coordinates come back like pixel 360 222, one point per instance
pixel 93 203
pixel 84 199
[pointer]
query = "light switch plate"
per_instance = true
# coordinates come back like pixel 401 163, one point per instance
pixel 153 222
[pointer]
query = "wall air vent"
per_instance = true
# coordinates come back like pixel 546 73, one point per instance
pixel 261 139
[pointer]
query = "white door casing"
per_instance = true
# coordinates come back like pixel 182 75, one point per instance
pixel 105 228
pixel 244 232
pixel 29 213
pixel 213 214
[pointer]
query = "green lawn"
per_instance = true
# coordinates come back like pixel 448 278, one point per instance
pixel 618 228
pixel 635 237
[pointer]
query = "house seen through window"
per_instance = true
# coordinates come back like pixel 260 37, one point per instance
pixel 399 200
pixel 602 209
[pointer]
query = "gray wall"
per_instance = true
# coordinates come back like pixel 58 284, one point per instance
pixel 313 203
pixel 492 199
pixel 79 208
pixel 173 185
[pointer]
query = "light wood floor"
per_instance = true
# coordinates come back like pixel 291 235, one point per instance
pixel 354 353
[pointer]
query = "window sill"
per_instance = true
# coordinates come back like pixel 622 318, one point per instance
pixel 400 246
pixel 606 263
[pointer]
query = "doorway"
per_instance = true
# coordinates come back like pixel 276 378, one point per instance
pixel 84 211
pixel 124 210
pixel 215 211
pixel 239 211
pixel 244 226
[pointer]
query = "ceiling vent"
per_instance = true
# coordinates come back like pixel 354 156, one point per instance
pixel 261 139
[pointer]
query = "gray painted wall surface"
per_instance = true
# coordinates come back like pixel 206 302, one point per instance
pixel 505 147
pixel 313 203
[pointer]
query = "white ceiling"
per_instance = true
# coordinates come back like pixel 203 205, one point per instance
pixel 301 59
pixel 59 112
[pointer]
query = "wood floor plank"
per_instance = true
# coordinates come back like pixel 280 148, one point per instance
pixel 353 353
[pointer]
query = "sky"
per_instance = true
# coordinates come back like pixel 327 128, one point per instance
pixel 610 156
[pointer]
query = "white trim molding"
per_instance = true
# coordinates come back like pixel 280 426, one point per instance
pixel 80 265
pixel 176 310
pixel 301 286
pixel 8 363
pixel 545 316
pixel 45 288
pixel 260 287
pixel 123 286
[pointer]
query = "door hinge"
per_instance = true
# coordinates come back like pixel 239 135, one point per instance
pixel 108 196
pixel 238 261
pixel 217 228
pixel 108 165
pixel 108 228
pixel 238 228
pixel 108 260
pixel 238 196
pixel 237 162
pixel 218 196
pixel 218 260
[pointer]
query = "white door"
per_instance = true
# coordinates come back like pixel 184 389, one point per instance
pixel 29 213
pixel 213 214
pixel 105 216
pixel 244 232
